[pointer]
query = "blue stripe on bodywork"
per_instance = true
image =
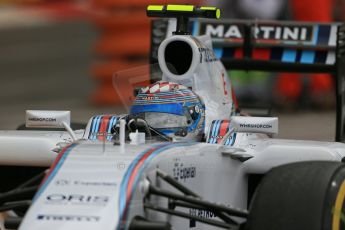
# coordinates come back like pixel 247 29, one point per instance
pixel 124 183
pixel 91 127
pixel 92 133
pixel 218 52
pixel 195 28
pixel 127 176
pixel 231 140
pixel 217 131
pixel 209 138
pixel 234 139
pixel 315 34
pixel 308 56
pixel 94 130
pixel 54 172
pixel 98 126
pixel 213 127
pixel 214 132
pixel 112 122
pixel 289 55
pixel 227 142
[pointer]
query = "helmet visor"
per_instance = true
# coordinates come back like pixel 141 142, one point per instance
pixel 165 120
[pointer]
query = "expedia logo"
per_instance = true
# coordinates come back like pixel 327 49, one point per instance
pixel 77 199
pixel 256 126
pixel 183 173
pixel 72 218
pixel 45 119
pixel 265 32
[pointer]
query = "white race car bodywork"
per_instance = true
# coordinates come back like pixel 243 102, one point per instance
pixel 86 190
pixel 96 184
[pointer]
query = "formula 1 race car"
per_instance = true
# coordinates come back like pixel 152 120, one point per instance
pixel 183 157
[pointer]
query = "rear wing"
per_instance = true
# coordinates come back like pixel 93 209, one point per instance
pixel 272 46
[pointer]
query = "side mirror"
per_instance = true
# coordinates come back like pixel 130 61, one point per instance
pixel 267 125
pixel 50 119
pixel 47 119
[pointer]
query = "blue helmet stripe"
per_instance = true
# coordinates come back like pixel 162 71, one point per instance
pixel 175 108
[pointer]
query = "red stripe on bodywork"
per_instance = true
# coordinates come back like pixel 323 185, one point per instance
pixel 103 127
pixel 223 129
pixel 56 161
pixel 238 53
pixel 135 171
pixel 262 54
pixel 234 98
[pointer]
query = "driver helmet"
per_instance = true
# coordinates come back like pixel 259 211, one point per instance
pixel 172 109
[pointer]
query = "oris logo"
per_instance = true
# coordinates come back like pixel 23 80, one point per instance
pixel 77 199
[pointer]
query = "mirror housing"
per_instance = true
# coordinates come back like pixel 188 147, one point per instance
pixel 266 125
pixel 47 119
